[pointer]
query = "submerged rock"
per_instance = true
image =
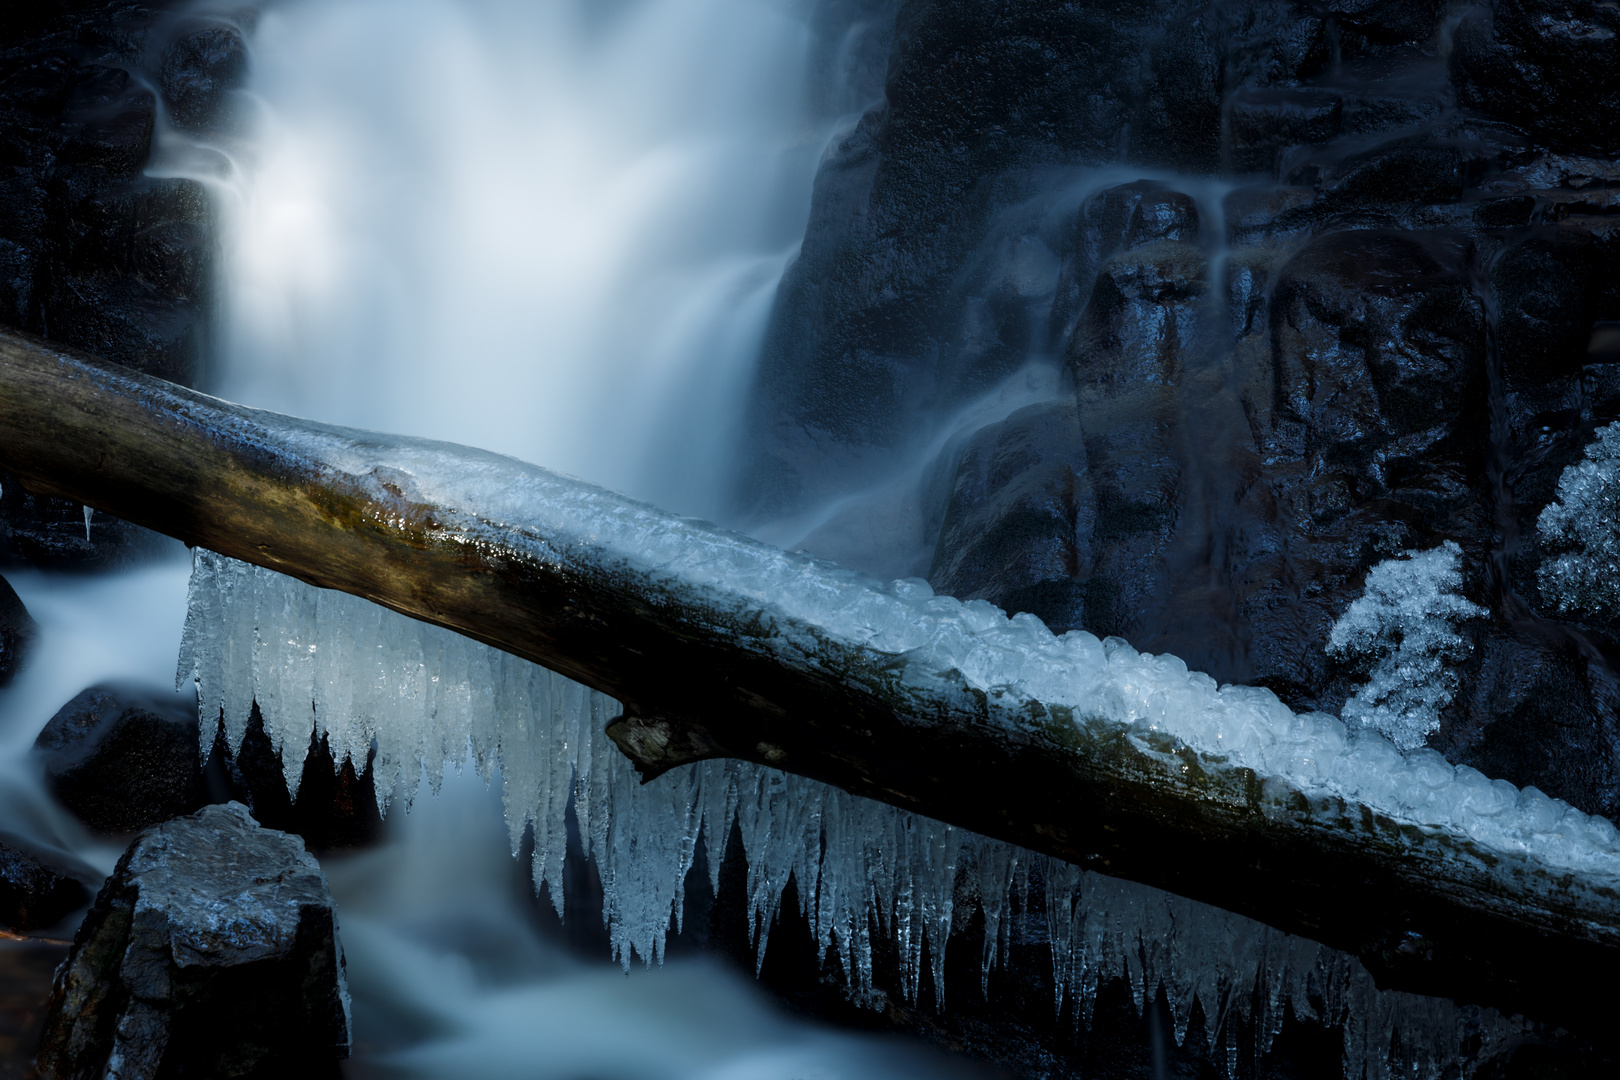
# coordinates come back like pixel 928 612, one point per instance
pixel 211 951
pixel 38 887
pixel 17 632
pixel 122 758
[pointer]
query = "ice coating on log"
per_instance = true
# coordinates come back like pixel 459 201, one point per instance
pixel 425 695
pixel 792 606
pixel 1404 627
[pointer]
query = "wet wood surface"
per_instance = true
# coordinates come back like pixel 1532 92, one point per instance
pixel 1426 910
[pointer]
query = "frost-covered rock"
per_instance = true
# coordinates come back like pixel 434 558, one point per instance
pixel 1404 627
pixel 211 951
pixel 1581 529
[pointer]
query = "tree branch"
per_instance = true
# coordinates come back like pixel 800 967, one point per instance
pixel 716 647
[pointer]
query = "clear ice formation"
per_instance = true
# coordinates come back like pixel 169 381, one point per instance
pixel 1581 528
pixel 317 659
pixel 1404 627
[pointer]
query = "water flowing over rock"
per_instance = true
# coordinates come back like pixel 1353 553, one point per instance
pixel 1324 294
pixel 211 951
pixel 94 250
pixel 1298 287
pixel 39 888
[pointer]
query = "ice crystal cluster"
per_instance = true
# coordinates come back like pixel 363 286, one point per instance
pixel 1582 528
pixel 1404 625
pixel 314 658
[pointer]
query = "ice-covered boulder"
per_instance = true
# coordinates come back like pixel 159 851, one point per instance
pixel 211 951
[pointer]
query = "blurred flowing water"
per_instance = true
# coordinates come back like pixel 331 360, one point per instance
pixel 553 230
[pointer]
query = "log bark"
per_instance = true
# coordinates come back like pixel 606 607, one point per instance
pixel 657 612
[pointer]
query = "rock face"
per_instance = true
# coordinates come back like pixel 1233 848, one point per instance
pixel 93 252
pixel 38 887
pixel 17 632
pixel 1316 284
pixel 211 951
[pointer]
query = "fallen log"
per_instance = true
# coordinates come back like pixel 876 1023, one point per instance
pixel 1441 881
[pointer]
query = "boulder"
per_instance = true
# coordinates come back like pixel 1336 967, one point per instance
pixel 39 887
pixel 122 758
pixel 17 632
pixel 211 951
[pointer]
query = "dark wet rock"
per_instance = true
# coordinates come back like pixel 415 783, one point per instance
pixel 1103 227
pixel 1404 172
pixel 1265 214
pixel 1017 530
pixel 1266 122
pixel 1163 215
pixel 1550 66
pixel 1542 709
pixel 1546 294
pixel 1413 22
pixel 198 74
pixel 39 886
pixel 211 951
pixel 93 253
pixel 1378 337
pixel 1141 319
pixel 122 758
pixel 334 807
pixel 1370 425
pixel 17 632
pixel 976 97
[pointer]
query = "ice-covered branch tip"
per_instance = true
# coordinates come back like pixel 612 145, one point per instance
pixel 1083 750
pixel 1404 627
pixel 1581 531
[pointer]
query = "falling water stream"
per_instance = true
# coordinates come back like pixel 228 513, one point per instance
pixel 556 230
pixel 552 230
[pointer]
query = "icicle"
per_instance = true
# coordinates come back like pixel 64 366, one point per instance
pixel 87 513
pixel 324 663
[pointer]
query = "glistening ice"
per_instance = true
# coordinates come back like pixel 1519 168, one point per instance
pixel 316 660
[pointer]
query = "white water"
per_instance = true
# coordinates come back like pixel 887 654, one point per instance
pixel 551 230
pixel 556 234
pixel 91 630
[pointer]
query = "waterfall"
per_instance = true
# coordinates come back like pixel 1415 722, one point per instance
pixel 557 231
pixel 552 230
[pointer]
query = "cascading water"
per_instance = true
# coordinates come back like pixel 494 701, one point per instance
pixel 550 230
pixel 558 233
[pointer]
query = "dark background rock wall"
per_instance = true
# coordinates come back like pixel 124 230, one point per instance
pixel 94 252
pixel 1324 282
